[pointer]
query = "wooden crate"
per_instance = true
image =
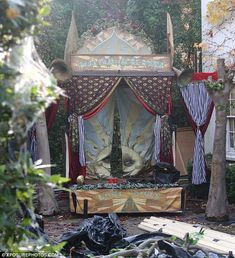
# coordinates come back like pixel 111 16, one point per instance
pixel 127 200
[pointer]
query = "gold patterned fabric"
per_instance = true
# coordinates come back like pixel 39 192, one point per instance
pixel 87 92
pixel 166 140
pixel 155 91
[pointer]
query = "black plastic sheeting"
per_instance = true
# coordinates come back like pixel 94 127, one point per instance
pixel 165 173
pixel 97 233
pixel 173 250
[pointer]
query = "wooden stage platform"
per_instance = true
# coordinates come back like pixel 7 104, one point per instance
pixel 142 200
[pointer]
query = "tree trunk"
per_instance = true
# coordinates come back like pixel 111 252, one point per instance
pixel 47 204
pixel 217 201
pixel 217 205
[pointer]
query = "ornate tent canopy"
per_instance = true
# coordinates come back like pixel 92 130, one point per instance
pixel 116 52
pixel 102 60
pixel 98 67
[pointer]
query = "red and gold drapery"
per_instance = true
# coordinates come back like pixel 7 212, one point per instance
pixel 88 94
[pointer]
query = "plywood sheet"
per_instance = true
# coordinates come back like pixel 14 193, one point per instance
pixel 185 139
pixel 212 240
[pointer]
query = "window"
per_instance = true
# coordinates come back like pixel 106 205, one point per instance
pixel 230 145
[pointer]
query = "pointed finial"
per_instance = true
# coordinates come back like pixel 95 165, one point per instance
pixel 72 40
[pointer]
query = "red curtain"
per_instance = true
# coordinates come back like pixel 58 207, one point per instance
pixel 74 165
pixel 96 110
pixel 204 76
pixel 203 128
pixel 50 113
pixel 149 109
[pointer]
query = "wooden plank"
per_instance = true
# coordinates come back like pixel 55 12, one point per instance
pixel 214 235
pixel 209 232
pixel 203 243
pixel 213 240
pixel 212 247
pixel 184 230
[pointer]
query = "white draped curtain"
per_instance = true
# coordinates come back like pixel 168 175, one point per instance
pixel 157 138
pixel 198 102
pixel 81 141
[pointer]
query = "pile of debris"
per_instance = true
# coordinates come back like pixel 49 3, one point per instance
pixel 106 238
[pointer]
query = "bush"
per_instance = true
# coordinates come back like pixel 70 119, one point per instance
pixel 201 191
pixel 230 182
pixel 56 138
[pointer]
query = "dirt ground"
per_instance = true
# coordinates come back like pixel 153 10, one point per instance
pixel 65 221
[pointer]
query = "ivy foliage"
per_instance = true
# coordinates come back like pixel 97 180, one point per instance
pixel 214 85
pixel 51 39
pixel 148 16
pixel 26 89
pixel 186 19
pixel 57 141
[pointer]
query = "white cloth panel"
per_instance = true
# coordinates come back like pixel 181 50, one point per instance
pixel 67 156
pixel 81 141
pixel 157 138
pixel 174 148
pixel 98 142
pixel 198 103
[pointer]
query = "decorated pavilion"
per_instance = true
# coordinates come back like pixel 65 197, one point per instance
pixel 116 70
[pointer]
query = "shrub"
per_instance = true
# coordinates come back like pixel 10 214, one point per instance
pixel 201 191
pixel 230 182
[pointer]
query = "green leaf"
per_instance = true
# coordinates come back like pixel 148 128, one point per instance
pixel 54 248
pixel 45 10
pixel 57 179
pixel 26 222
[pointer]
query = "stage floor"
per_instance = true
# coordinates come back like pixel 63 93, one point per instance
pixel 142 200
